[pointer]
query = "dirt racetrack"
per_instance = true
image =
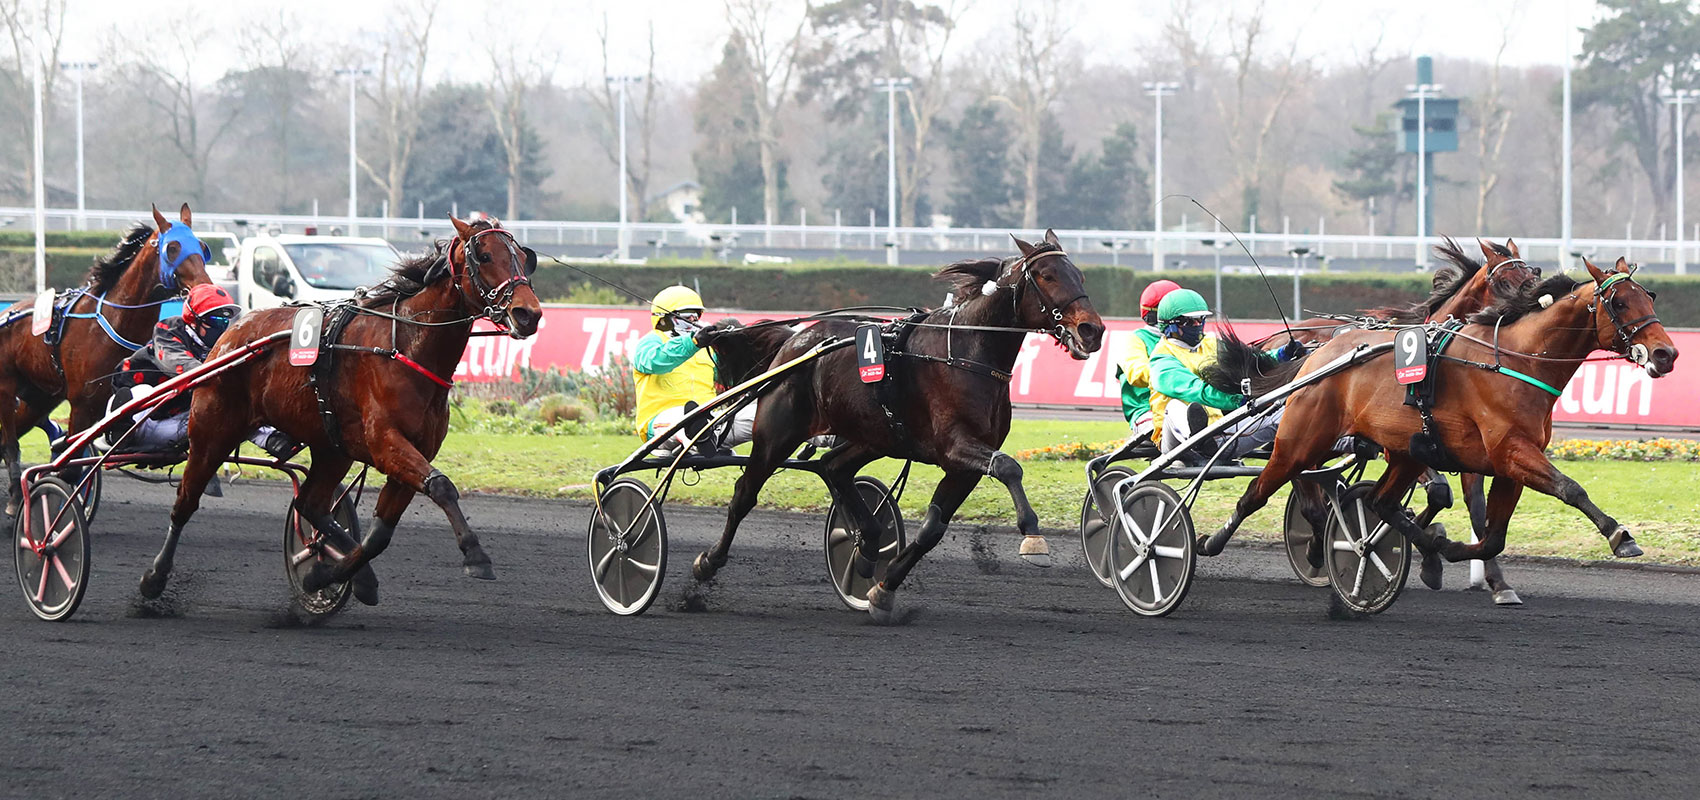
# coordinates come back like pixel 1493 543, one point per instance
pixel 1006 681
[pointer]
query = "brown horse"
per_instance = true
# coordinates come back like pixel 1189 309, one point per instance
pixel 947 401
pixel 386 398
pixel 1463 286
pixel 1494 418
pixel 120 299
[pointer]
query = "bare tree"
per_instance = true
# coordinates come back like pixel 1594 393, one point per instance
pixel 607 100
pixel 516 71
pixel 1495 122
pixel 277 77
pixel 759 33
pixel 35 31
pixel 166 83
pixel 1032 79
pixel 400 94
pixel 926 98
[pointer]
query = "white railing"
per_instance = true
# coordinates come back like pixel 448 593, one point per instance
pixel 1132 248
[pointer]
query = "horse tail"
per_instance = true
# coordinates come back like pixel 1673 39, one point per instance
pixel 1238 361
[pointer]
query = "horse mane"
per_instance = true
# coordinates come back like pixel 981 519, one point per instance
pixel 1237 360
pixel 1449 278
pixel 407 277
pixel 1507 310
pixel 966 277
pixel 106 271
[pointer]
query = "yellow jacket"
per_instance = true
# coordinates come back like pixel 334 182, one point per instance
pixel 669 371
pixel 1174 375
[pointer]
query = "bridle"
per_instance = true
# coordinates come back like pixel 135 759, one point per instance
pixel 1509 262
pixel 495 299
pixel 1047 307
pixel 1626 331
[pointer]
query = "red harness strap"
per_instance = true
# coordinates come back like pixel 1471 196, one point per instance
pixel 420 368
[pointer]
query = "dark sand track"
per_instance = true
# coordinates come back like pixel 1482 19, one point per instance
pixel 1007 680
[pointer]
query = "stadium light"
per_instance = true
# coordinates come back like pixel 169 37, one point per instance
pixel 1676 99
pixel 353 74
pixel 78 68
pixel 622 81
pixel 1158 90
pixel 891 86
pixel 1422 92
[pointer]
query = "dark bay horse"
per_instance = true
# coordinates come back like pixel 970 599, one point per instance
pixel 948 400
pixel 119 300
pixel 1462 286
pixel 387 396
pixel 1493 407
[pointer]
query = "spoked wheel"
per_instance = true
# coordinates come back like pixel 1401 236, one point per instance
pixel 1367 561
pixel 1151 549
pixel 50 548
pixel 852 588
pixel 628 547
pixel 1297 537
pixel 1095 521
pixel 303 547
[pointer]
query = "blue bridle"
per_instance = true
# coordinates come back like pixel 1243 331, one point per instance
pixel 186 239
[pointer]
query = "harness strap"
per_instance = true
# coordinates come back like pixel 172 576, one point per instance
pixel 1529 379
pixel 324 369
pixel 397 355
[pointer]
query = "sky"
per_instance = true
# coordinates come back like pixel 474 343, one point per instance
pixel 689 32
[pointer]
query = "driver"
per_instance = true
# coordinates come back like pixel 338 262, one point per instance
pixel 180 344
pixel 1135 370
pixel 674 374
pixel 1183 404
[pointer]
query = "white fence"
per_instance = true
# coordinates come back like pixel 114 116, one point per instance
pixel 1197 247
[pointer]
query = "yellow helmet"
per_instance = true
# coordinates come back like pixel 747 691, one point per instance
pixel 675 298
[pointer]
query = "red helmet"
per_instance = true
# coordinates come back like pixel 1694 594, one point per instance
pixel 204 299
pixel 1153 295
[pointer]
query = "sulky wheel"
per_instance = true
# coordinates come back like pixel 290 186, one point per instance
pixel 1095 521
pixel 51 549
pixel 1367 560
pixel 1151 549
pixel 1297 536
pixel 628 547
pixel 852 588
pixel 303 547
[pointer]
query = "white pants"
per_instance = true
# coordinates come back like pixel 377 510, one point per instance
pixel 1257 431
pixel 163 435
pixel 740 429
pixel 1144 424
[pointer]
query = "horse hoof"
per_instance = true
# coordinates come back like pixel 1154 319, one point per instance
pixel 1431 571
pixel 365 585
pixel 483 572
pixel 1507 597
pixel 882 605
pixel 1622 544
pixel 153 584
pixel 316 578
pixel 702 568
pixel 1314 552
pixel 1214 544
pixel 1036 551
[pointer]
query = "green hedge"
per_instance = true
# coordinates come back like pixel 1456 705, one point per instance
pixel 1115 291
pixel 66 267
pixel 101 239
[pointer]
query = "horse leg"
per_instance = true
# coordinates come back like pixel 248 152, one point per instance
pixel 357 565
pixel 1522 461
pixel 206 453
pixel 773 442
pixel 315 504
pixel 1313 506
pixel 10 413
pixel 952 489
pixel 987 460
pixel 1289 458
pixel 1388 502
pixel 840 477
pixel 1475 499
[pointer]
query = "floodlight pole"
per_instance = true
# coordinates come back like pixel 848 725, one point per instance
pixel 1677 98
pixel 891 86
pixel 1158 90
pixel 1422 92
pixel 353 74
pixel 78 68
pixel 622 81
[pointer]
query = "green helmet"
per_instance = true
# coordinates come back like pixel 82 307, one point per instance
pixel 1182 303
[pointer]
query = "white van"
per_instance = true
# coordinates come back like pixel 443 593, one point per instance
pixel 273 270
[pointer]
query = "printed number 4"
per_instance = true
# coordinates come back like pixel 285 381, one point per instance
pixel 868 348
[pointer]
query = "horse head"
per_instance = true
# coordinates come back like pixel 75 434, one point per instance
pixel 1624 319
pixel 492 274
pixel 180 257
pixel 1050 295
